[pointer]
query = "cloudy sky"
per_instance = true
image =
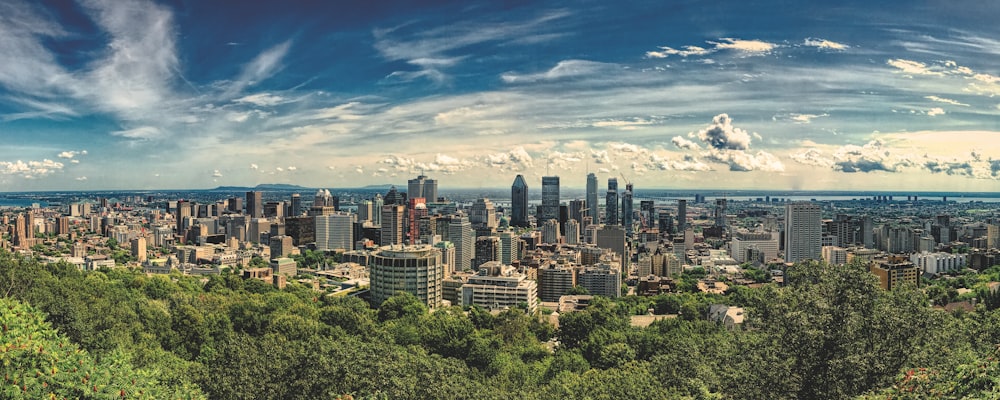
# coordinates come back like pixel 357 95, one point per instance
pixel 136 94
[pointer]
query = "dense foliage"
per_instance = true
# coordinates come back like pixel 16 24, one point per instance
pixel 830 333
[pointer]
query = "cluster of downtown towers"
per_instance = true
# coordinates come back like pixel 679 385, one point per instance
pixel 580 210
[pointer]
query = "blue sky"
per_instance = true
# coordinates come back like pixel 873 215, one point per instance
pixel 134 94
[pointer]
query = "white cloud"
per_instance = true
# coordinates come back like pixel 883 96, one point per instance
pixel 935 111
pixel 562 70
pixel 238 116
pixel 30 169
pixel 742 161
pixel 721 134
pixel 216 174
pixel 81 178
pixel 74 161
pixel 292 168
pixel 687 51
pixel 825 44
pixel 261 99
pixel 812 157
pixel 745 46
pixel 805 118
pixel 913 67
pixel 254 167
pixel 71 153
pixel 140 133
pixel 944 100
pixel 685 144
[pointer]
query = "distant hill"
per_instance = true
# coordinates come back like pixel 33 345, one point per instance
pixel 263 186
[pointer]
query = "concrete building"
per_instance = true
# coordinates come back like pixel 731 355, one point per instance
pixel 744 240
pixel 334 232
pixel 139 249
pixel 461 234
pixel 612 237
pixel 422 186
pixel 483 213
pixel 284 266
pixel 555 280
pixel 834 255
pixel 392 224
pixel 611 203
pixel 803 231
pixel 416 269
pixel 255 205
pixel 488 249
pixel 550 231
pixel 510 246
pixel 601 279
pixel 592 208
pixel 936 263
pixel 498 287
pixel 893 272
pixel 572 235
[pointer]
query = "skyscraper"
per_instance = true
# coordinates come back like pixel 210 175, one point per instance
pixel 627 207
pixel 483 213
pixel 611 203
pixel 461 234
pixel 720 213
pixel 392 224
pixel 803 228
pixel 550 198
pixel 519 202
pixel 682 215
pixel 592 198
pixel 255 206
pixel 296 207
pixel 421 186
pixel 377 204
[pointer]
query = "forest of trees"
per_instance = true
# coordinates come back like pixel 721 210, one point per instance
pixel 830 333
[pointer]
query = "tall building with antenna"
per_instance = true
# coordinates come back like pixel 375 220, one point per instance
pixel 592 209
pixel 519 202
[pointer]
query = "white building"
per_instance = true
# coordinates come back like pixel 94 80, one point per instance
pixel 498 287
pixel 803 231
pixel 334 232
pixel 744 240
pixel 834 255
pixel 934 263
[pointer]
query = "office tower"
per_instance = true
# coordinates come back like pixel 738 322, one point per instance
pixel 296 207
pixel 447 256
pixel 235 204
pixel 392 224
pixel 483 213
pixel 611 203
pixel 519 202
pixel 627 207
pixel 510 246
pixel 761 242
pixel 365 211
pixel 803 229
pixel 577 210
pixel 682 215
pixel 572 232
pixel 63 226
pixel 417 270
pixel 416 208
pixel 377 204
pixel 550 232
pixel 258 226
pixel 461 234
pixel 183 212
pixel 422 187
pixel 647 212
pixel 335 232
pixel 281 246
pixel 394 197
pixel 255 205
pixel 488 248
pixel 301 229
pixel 427 228
pixel 592 198
pixel 612 237
pixel 601 280
pixel 550 198
pixel 720 213
pixel 665 222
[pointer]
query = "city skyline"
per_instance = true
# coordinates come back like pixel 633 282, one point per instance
pixel 140 94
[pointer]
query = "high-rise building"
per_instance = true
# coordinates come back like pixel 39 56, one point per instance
pixel 335 232
pixel 555 280
pixel 483 214
pixel 255 205
pixel 422 187
pixel 572 232
pixel 612 237
pixel 139 249
pixel 377 204
pixel 416 208
pixel 682 215
pixel 577 211
pixel 510 246
pixel 550 198
pixel 803 231
pixel 488 248
pixel 365 211
pixel 296 205
pixel 460 233
pixel 592 198
pixel 550 232
pixel 627 208
pixel 417 270
pixel 392 224
pixel 447 256
pixel 611 203
pixel 720 213
pixel 519 202
pixel 647 213
pixel 601 279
